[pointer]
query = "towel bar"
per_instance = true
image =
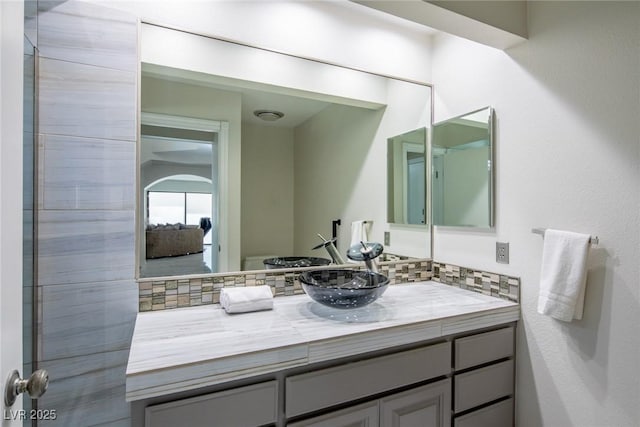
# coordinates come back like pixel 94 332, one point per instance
pixel 593 239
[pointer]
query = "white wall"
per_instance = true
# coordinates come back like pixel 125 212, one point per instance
pixel 267 191
pixel 567 108
pixel 11 68
pixel 341 171
pixel 152 172
pixel 182 186
pixel 339 31
pixel 332 152
pixel 500 24
pixel 509 16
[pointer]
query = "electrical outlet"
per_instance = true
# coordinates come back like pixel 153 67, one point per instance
pixel 502 252
pixel 387 238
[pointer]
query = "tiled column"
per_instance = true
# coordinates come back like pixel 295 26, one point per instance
pixel 87 295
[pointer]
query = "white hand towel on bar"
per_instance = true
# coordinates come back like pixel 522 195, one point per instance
pixel 242 300
pixel 360 231
pixel 563 275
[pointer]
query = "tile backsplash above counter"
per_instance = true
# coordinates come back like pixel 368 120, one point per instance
pixel 187 291
pixel 484 282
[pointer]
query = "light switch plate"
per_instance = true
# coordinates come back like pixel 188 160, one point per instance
pixel 502 252
pixel 387 238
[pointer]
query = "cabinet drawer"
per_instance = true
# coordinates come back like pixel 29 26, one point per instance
pixel 225 408
pixel 496 415
pixel 483 385
pixel 327 387
pixel 482 348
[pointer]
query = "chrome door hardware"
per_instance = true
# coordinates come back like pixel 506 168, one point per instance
pixel 35 386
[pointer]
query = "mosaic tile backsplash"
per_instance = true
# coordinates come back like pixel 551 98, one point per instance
pixel 163 294
pixel 497 285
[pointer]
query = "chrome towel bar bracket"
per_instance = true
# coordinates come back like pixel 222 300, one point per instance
pixel 593 239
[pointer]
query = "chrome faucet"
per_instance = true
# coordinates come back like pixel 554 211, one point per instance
pixel 366 252
pixel 330 246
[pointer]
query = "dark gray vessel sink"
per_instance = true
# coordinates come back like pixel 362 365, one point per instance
pixel 348 288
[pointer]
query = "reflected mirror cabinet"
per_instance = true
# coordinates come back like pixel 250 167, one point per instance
pixel 462 178
pixel 459 191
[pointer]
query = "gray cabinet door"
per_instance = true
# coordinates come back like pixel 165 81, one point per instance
pixel 426 406
pixel 365 415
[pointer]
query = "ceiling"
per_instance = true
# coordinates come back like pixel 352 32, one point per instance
pixel 296 109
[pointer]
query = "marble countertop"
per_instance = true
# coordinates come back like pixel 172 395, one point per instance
pixel 188 348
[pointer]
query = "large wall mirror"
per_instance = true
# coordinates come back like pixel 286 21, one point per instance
pixel 462 176
pixel 316 154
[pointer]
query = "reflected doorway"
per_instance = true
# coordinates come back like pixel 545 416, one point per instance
pixel 416 187
pixel 179 196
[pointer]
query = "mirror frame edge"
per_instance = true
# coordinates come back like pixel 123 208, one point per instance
pixel 492 172
pixel 137 222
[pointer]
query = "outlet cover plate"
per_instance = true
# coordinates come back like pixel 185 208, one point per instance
pixel 502 252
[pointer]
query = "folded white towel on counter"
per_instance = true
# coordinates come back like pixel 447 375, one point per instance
pixel 242 300
pixel 563 275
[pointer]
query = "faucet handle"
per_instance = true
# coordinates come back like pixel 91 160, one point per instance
pixel 330 246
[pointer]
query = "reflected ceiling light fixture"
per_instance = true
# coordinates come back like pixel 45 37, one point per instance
pixel 268 115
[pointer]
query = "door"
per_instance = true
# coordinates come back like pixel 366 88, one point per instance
pixel 365 415
pixel 17 155
pixel 416 191
pixel 182 156
pixel 426 406
pixel 11 69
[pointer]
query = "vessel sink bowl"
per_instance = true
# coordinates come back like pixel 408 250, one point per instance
pixel 343 289
pixel 294 261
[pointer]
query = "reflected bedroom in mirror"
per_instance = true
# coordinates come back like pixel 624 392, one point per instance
pixel 462 176
pixel 242 162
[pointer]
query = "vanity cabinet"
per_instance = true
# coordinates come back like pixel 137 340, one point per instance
pixel 462 380
pixel 483 379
